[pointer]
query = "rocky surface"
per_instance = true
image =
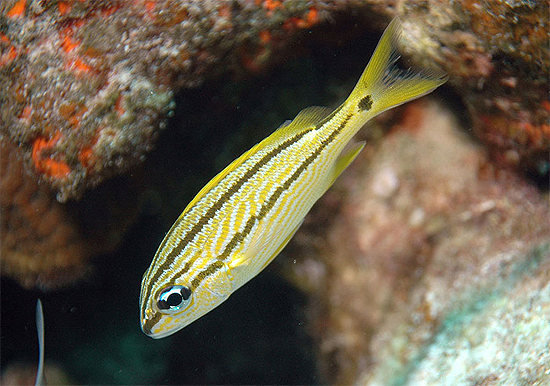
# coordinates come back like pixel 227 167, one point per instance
pixel 46 244
pixel 108 70
pixel 89 83
pixel 497 54
pixel 422 258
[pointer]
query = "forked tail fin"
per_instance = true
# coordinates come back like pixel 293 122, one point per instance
pixel 384 85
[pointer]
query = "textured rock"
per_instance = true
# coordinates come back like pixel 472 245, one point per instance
pixel 417 246
pixel 108 70
pixel 497 55
pixel 89 82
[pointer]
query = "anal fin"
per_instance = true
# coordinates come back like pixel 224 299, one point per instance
pixel 346 158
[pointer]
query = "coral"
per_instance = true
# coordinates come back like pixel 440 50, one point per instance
pixel 497 54
pixel 88 83
pixel 44 243
pixel 108 70
pixel 423 232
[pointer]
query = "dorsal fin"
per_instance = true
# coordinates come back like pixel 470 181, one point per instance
pixel 305 119
pixel 285 124
pixel 311 116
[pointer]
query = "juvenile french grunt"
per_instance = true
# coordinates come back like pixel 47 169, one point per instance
pixel 244 216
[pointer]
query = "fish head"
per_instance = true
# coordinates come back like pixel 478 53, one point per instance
pixel 169 303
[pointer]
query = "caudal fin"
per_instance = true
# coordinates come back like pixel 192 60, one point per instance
pixel 384 85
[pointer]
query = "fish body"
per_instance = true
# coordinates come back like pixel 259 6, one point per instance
pixel 240 221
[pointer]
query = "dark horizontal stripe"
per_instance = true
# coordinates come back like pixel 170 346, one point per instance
pixel 226 196
pixel 203 220
pixel 268 205
pixel 205 273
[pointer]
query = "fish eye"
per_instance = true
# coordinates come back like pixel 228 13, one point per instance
pixel 174 298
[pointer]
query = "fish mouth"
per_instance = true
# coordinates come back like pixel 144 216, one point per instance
pixel 147 326
pixel 148 321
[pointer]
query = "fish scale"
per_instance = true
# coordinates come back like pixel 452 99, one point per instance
pixel 240 221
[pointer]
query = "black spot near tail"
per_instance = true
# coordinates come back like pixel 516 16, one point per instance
pixel 365 104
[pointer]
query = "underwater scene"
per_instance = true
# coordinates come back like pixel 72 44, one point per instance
pixel 178 208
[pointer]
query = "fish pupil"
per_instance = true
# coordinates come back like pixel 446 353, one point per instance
pixel 173 297
pixel 174 300
pixel 185 293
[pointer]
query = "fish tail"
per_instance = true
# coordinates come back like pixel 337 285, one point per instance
pixel 384 85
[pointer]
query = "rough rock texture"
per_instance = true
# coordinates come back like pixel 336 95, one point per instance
pixel 497 54
pixel 88 83
pixel 424 262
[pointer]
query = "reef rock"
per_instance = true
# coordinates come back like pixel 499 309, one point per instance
pixel 497 54
pixel 88 83
pixel 45 244
pixel 425 264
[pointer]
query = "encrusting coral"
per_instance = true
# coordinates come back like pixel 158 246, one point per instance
pixel 46 244
pixel 109 69
pixel 88 83
pixel 497 56
pixel 40 245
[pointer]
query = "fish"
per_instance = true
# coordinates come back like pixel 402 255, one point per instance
pixel 40 378
pixel 240 221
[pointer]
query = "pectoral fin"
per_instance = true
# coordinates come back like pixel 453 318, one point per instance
pixel 283 244
pixel 254 249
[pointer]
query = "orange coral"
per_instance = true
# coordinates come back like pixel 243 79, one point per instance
pixel 40 245
pixel 307 21
pixel 119 108
pixel 64 7
pixel 68 44
pixel 79 65
pixel 44 164
pixel 265 36
pixel 85 156
pixel 43 243
pixel 18 9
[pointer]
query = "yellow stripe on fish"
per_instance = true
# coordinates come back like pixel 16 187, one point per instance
pixel 240 221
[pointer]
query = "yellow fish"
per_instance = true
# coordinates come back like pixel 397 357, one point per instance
pixel 244 216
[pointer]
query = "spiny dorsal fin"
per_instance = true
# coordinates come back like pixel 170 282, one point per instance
pixel 285 124
pixel 306 118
